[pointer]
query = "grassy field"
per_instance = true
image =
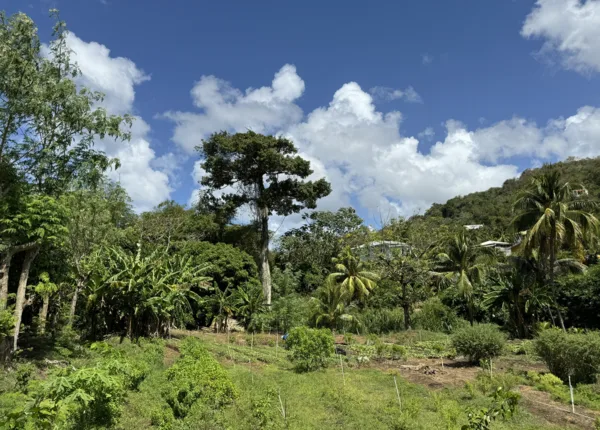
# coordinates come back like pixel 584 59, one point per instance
pixel 270 395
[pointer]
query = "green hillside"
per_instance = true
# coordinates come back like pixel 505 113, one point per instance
pixel 494 206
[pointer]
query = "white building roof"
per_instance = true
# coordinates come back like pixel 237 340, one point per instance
pixel 491 243
pixel 390 243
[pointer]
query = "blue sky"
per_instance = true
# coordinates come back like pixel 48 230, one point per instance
pixel 488 88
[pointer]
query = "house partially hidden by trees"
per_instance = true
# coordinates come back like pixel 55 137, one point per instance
pixel 504 247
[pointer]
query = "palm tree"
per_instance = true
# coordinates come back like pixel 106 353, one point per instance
pixel 517 293
pixel 249 303
pixel 330 306
pixel 355 281
pixel 554 217
pixel 462 265
pixel 221 306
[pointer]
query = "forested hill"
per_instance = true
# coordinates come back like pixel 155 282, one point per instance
pixel 494 206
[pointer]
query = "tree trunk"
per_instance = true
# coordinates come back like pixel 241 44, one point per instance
pixel 560 318
pixel 29 257
pixel 4 269
pixel 74 301
pixel 44 314
pixel 552 262
pixel 130 328
pixel 265 271
pixel 406 307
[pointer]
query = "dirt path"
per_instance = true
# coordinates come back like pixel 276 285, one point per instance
pixel 430 373
pixel 171 353
pixel 541 404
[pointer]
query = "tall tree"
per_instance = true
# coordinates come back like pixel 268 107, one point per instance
pixel 554 217
pixel 47 129
pixel 265 173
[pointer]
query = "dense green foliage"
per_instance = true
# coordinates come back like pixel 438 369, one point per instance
pixel 80 268
pixel 478 342
pixel 494 207
pixel 196 377
pixel 310 348
pixel 436 316
pixel 570 354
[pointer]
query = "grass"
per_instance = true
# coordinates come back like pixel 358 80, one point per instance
pixel 273 396
pixel 368 399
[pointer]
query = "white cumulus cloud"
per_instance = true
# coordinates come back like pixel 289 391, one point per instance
pixel 570 30
pixel 263 110
pixel 141 173
pixel 368 160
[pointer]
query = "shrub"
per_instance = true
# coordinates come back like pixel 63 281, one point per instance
pixel 479 342
pixel 390 351
pixel 132 373
pixel 310 348
pixel 7 322
pixel 436 316
pixel 575 354
pixel 382 320
pixel 197 376
pixel 82 398
pixel 162 418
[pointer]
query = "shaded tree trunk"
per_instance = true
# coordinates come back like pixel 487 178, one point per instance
pixel 21 291
pixel 406 307
pixel 552 262
pixel 4 269
pixel 44 314
pixel 74 299
pixel 265 271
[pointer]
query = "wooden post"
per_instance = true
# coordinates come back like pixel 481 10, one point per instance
pixel 398 394
pixel 572 399
pixel 342 367
pixel 283 414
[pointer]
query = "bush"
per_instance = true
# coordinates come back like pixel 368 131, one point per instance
pixel 390 351
pixel 575 354
pixel 81 398
pixel 382 320
pixel 132 373
pixel 310 348
pixel 197 376
pixel 436 316
pixel 479 342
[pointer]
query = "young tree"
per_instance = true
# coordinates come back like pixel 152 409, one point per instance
pixel 265 174
pixel 40 221
pixel 412 274
pixel 352 277
pixel 330 306
pixel 45 289
pixel 95 216
pixel 554 217
pixel 462 265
